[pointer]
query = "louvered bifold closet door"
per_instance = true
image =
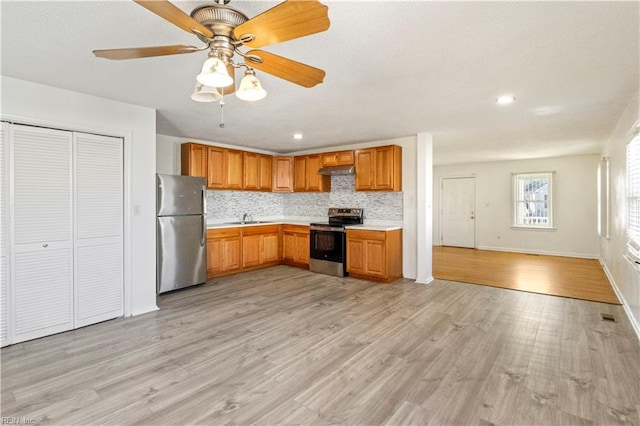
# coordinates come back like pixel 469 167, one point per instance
pixel 99 228
pixel 4 234
pixel 41 216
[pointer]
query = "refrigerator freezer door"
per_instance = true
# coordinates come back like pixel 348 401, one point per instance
pixel 180 195
pixel 182 252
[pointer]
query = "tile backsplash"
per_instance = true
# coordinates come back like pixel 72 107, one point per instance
pixel 226 205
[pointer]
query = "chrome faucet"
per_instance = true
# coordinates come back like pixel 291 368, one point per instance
pixel 244 217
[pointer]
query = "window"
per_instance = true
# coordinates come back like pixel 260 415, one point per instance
pixel 633 197
pixel 533 200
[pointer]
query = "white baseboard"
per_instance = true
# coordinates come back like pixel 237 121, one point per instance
pixel 542 252
pixel 428 280
pixel 625 305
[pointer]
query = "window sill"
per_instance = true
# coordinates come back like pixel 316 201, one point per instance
pixel 532 228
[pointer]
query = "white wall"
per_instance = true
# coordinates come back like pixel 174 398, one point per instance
pixel 575 203
pixel 32 103
pixel 168 159
pixel 626 280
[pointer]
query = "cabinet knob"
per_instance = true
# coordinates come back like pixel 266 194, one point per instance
pixel 45 245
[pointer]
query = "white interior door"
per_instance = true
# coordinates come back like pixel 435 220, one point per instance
pixel 457 220
pixel 4 234
pixel 41 218
pixel 99 276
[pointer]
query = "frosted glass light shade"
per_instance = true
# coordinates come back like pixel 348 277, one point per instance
pixel 202 93
pixel 250 88
pixel 214 73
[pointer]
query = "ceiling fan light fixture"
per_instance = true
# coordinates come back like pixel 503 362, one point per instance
pixel 202 93
pixel 250 88
pixel 214 73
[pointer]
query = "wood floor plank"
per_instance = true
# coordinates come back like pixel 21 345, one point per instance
pixel 287 346
pixel 554 275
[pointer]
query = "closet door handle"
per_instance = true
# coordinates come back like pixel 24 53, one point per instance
pixel 45 245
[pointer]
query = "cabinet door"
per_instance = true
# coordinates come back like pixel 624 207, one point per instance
pixel 266 174
pixel 251 165
pixel 345 158
pixel 355 256
pixel 365 159
pixel 214 256
pixel 289 246
pixel 282 174
pixel 314 181
pixel 270 246
pixel 302 248
pixel 384 161
pixel 234 169
pixel 329 159
pixel 99 275
pixel 250 251
pixel 231 254
pixel 300 174
pixel 375 258
pixel 193 159
pixel 4 234
pixel 41 288
pixel 216 168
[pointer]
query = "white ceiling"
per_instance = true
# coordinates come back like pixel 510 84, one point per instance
pixel 394 69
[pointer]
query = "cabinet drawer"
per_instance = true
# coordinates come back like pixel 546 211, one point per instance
pixel 298 229
pixel 223 232
pixel 262 229
pixel 361 234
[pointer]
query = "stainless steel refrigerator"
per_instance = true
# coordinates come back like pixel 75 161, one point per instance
pixel 181 227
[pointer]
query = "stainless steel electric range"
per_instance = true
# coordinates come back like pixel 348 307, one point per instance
pixel 328 241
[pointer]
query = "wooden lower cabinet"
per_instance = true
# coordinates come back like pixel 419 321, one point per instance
pixel 295 245
pixel 223 251
pixel 374 255
pixel 260 246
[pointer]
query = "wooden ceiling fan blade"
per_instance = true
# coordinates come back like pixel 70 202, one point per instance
pixel 176 16
pixel 287 69
pixel 144 52
pixel 286 21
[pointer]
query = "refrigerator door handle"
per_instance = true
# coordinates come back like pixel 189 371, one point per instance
pixel 204 201
pixel 203 239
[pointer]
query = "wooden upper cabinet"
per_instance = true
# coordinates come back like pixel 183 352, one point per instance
pixel 257 171
pixel 216 168
pixel 379 168
pixel 225 168
pixel 234 169
pixel 299 174
pixel 339 158
pixel 306 177
pixel 282 174
pixel 251 171
pixel 365 169
pixel 193 159
pixel 266 172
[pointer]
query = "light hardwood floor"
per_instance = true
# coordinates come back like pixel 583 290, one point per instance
pixel 284 345
pixel 554 275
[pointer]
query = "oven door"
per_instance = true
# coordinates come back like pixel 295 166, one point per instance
pixel 327 243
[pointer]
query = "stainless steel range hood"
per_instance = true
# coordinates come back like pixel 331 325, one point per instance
pixel 337 170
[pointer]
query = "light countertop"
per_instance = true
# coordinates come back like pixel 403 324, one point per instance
pixel 366 227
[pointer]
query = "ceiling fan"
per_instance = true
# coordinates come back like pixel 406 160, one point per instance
pixel 224 30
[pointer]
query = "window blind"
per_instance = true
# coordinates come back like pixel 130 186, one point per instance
pixel 633 197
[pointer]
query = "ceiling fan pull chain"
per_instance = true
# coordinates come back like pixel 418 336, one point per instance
pixel 222 108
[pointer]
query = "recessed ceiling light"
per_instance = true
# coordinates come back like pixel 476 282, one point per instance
pixel 298 136
pixel 505 99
